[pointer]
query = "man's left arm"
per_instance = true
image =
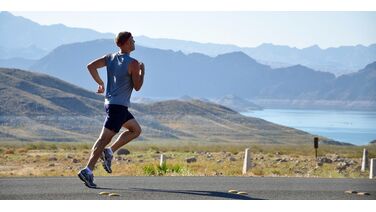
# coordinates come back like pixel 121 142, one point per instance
pixel 137 71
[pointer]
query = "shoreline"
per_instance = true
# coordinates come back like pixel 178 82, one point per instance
pixel 348 126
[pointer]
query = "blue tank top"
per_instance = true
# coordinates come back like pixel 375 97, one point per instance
pixel 119 82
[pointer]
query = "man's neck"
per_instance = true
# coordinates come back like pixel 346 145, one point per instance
pixel 125 51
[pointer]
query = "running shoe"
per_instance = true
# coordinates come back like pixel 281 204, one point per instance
pixel 107 158
pixel 87 178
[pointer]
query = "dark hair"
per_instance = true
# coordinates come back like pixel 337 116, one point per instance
pixel 122 37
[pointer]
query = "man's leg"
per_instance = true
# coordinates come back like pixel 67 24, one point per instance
pixel 134 130
pixel 86 174
pixel 104 139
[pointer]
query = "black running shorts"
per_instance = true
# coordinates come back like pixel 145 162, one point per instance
pixel 117 115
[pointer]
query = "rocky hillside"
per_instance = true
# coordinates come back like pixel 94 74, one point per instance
pixel 39 107
pixel 26 93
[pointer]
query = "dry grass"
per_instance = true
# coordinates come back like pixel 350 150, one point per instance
pixel 65 159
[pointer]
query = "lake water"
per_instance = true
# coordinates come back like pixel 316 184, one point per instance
pixel 356 127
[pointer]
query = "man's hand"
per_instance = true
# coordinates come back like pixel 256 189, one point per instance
pixel 137 71
pixel 142 69
pixel 100 88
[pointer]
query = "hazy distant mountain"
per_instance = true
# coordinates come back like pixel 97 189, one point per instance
pixel 68 62
pixel 236 103
pixel 20 63
pixel 169 73
pixel 187 47
pixel 339 60
pixel 35 39
pixel 37 107
pixel 29 53
pixel 174 74
pixel 356 91
pixel 356 86
pixel 23 38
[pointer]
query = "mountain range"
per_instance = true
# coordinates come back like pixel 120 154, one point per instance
pixel 337 60
pixel 22 38
pixel 38 107
pixel 172 74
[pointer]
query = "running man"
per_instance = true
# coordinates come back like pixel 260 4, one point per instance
pixel 124 74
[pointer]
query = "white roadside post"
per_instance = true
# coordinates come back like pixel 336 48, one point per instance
pixel 372 169
pixel 364 160
pixel 163 160
pixel 247 161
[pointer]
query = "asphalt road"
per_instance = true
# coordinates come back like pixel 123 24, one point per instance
pixel 186 188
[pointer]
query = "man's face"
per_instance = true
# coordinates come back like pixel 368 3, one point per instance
pixel 131 43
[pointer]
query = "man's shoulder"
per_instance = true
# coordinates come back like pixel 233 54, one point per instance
pixel 110 55
pixel 134 63
pixel 133 59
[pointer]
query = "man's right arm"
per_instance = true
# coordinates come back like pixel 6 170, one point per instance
pixel 93 69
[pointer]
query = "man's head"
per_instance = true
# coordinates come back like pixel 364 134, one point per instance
pixel 124 40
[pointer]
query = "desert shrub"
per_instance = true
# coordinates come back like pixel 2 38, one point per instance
pixel 151 170
pixel 41 145
pixel 9 151
pixel 161 170
pixel 276 171
pixel 258 171
pixel 23 150
pixel 176 168
pixel 31 146
pixel 52 147
pixel 153 149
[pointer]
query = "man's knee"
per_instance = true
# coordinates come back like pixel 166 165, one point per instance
pixel 106 135
pixel 104 138
pixel 133 127
pixel 137 131
pixel 101 143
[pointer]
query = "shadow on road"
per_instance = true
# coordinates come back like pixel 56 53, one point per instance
pixel 190 192
pixel 202 193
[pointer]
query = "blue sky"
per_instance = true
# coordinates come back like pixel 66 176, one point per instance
pixel 295 29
